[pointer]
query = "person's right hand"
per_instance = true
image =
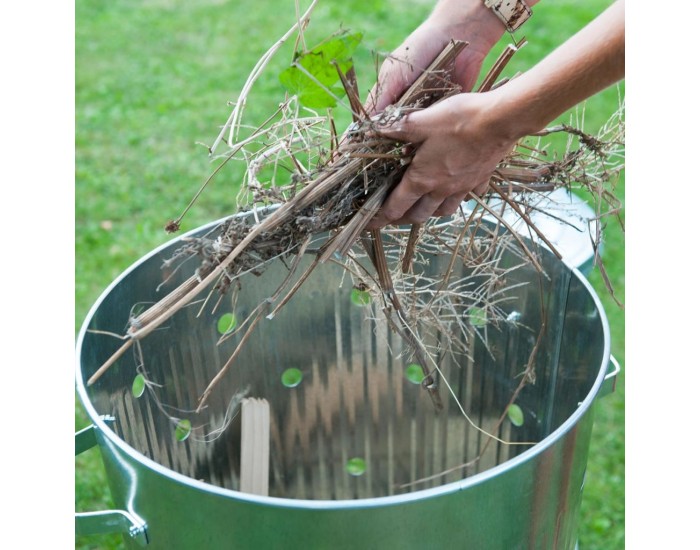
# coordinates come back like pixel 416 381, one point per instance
pixel 459 142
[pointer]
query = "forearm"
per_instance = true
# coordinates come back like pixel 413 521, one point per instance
pixel 589 62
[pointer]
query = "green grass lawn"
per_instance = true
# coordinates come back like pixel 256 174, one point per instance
pixel 153 79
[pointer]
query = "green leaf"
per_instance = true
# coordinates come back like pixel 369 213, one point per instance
pixel 360 297
pixel 183 429
pixel 515 415
pixel 478 316
pixel 226 323
pixel 313 73
pixel 356 466
pixel 292 377
pixel 414 373
pixel 138 386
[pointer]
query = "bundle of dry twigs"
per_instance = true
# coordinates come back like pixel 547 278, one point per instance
pixel 337 192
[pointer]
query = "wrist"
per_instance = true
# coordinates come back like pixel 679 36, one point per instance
pixel 468 20
pixel 473 21
pixel 505 117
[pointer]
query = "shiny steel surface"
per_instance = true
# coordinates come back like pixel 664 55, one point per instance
pixel 354 401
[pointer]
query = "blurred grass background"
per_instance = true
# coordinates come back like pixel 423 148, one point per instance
pixel 152 82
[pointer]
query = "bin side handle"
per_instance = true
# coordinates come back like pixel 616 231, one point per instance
pixel 111 521
pixel 610 379
pixel 105 521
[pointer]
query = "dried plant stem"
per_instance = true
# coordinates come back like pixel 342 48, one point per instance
pixel 378 257
pixel 262 309
pixel 188 291
pixel 525 379
pixel 233 123
pixel 113 359
pixel 410 247
pixel 525 218
pixel 434 79
pixel 499 65
pixel 512 231
pixel 346 237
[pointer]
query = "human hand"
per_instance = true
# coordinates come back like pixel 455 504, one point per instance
pixel 459 142
pixel 467 20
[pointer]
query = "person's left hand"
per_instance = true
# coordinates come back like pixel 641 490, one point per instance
pixel 467 20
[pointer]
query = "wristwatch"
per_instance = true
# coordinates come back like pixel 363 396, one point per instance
pixel 513 13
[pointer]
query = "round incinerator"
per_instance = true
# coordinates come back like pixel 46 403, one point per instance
pixel 321 434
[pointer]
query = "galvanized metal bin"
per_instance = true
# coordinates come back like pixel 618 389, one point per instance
pixel 353 406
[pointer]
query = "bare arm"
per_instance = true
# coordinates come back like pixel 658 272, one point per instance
pixel 461 140
pixel 589 62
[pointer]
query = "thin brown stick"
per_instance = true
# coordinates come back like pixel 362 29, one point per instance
pixel 346 237
pixel 499 65
pixel 294 288
pixel 413 236
pixel 531 225
pixel 349 82
pixel 113 359
pixel 203 398
pixel 378 257
pixel 434 74
pixel 510 229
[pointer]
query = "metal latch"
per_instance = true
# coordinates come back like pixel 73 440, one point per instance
pixel 610 380
pixel 106 521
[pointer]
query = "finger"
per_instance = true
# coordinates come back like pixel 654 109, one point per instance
pixel 407 128
pixel 450 205
pixel 404 196
pixel 423 209
pixel 395 76
pixel 482 187
pixel 401 68
pixel 394 207
pixel 410 193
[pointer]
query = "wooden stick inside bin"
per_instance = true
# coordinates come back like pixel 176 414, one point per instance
pixel 255 446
